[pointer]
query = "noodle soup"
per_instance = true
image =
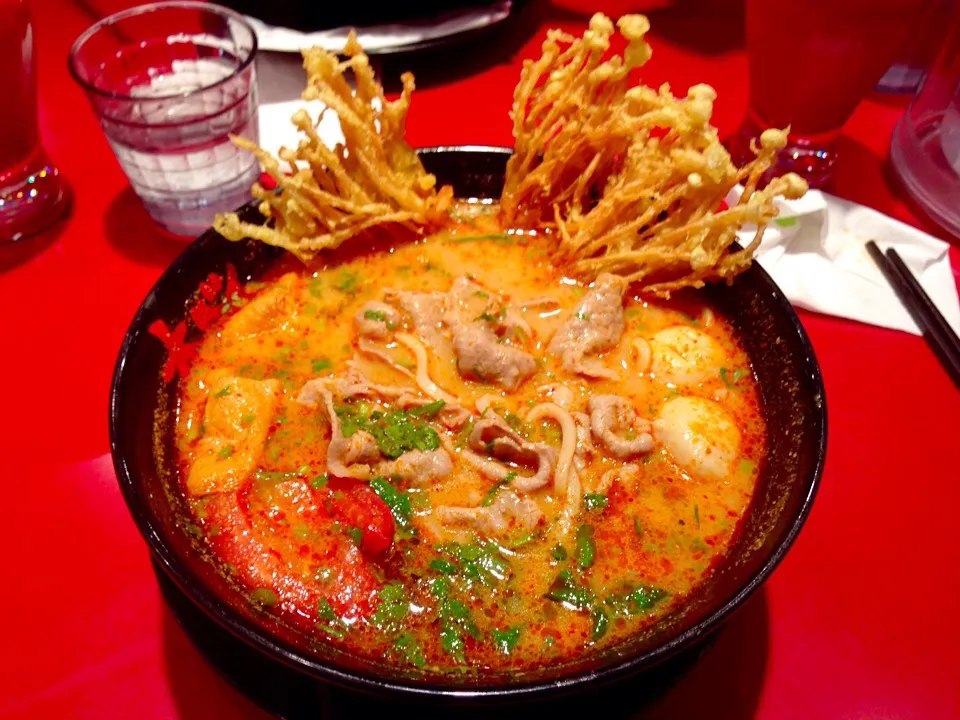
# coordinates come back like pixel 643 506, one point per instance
pixel 446 453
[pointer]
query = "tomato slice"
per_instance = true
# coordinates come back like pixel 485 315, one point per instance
pixel 360 507
pixel 262 562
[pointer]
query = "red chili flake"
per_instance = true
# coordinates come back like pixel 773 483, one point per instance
pixel 267 181
pixel 233 283
pixel 722 206
pixel 180 353
pixel 203 315
pixel 210 288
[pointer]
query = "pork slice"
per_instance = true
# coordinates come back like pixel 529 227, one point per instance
pixel 452 415
pixel 616 426
pixel 508 512
pixel 481 322
pixel 481 357
pixel 594 326
pixel 492 434
pixel 425 310
pixel 347 456
pixel 352 384
pixel 376 320
pixel 419 467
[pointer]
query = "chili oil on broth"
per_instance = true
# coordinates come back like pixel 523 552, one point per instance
pixel 443 598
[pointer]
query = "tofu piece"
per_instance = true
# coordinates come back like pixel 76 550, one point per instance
pixel 236 421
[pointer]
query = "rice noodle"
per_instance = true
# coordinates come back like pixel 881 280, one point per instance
pixel 560 394
pixel 568 445
pixel 374 350
pixel 644 355
pixel 706 317
pixel 484 402
pixel 422 377
pixel 571 507
pixel 544 301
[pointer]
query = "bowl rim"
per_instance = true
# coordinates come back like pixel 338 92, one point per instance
pixel 259 638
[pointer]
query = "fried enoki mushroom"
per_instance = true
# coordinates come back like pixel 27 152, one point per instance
pixel 373 179
pixel 631 178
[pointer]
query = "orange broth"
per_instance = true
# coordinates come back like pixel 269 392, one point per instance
pixel 438 597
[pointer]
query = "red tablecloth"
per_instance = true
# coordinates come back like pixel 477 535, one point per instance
pixel 860 620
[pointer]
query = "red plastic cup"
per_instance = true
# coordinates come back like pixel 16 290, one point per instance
pixel 32 193
pixel 811 62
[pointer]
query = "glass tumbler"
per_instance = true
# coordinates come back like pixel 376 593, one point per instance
pixel 169 83
pixel 32 193
pixel 811 62
pixel 925 147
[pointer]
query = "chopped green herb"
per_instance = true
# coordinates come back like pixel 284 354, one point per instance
pixel 495 488
pixel 564 590
pixel 586 549
pixel 463 435
pixel 356 534
pixel 637 526
pixel 582 316
pixel 559 552
pixel 505 639
pixel 248 418
pixel 428 410
pixel 600 622
pixel 502 237
pixel 406 645
pixel 444 566
pixel 786 221
pixel 636 600
pixel 521 541
pixel 696 514
pixel 275 475
pixel 397 500
pixel 331 624
pixel 594 501
pixel 347 282
pixel 486 317
pixel 395 431
pixel 315 287
pixel 265 597
pixel 320 364
pixel 392 607
pixel 514 421
pixel 482 563
pixel 455 620
pixel 377 315
pixel 746 466
pixel 226 451
pixel 731 378
pixel 223 392
pixel 319 481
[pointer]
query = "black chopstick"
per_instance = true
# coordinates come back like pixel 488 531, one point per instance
pixel 936 331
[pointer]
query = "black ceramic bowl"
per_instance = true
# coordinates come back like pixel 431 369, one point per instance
pixel 794 408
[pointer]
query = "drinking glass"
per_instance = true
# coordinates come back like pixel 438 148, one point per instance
pixel 169 83
pixel 32 193
pixel 925 147
pixel 811 62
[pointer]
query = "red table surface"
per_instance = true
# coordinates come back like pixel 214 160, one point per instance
pixel 860 620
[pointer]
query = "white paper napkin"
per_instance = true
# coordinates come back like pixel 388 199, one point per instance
pixel 384 37
pixel 815 251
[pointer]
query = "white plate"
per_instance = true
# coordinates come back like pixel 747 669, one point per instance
pixel 395 37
